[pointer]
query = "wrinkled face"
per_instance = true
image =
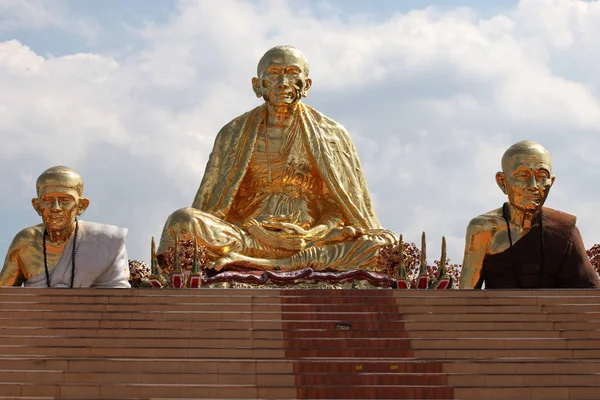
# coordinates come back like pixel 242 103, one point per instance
pixel 59 206
pixel 283 79
pixel 527 179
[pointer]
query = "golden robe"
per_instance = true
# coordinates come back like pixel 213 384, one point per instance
pixel 330 190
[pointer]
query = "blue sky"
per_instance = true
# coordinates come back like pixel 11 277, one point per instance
pixel 132 93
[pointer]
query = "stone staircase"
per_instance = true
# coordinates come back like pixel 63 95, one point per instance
pixel 299 344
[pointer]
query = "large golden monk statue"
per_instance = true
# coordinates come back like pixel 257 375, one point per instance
pixel 283 188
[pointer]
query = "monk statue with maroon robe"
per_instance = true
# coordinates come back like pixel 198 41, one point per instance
pixel 523 245
pixel 283 188
pixel 63 251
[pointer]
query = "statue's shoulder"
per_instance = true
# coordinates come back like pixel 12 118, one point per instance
pixel 327 124
pixel 559 222
pixel 559 217
pixel 27 236
pixel 486 223
pixel 98 232
pixel 235 124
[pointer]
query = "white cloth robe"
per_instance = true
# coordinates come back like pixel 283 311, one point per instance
pixel 100 260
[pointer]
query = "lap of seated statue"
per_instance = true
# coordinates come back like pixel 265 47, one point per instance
pixel 231 246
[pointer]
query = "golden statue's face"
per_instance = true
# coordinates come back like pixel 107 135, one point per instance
pixel 527 179
pixel 283 80
pixel 58 207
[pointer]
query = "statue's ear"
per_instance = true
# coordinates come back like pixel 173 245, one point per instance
pixel 36 206
pixel 501 181
pixel 306 88
pixel 256 87
pixel 83 204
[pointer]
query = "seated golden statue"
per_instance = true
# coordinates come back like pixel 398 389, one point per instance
pixel 522 244
pixel 283 188
pixel 62 251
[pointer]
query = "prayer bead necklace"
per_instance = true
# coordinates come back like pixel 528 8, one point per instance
pixel 505 213
pixel 72 255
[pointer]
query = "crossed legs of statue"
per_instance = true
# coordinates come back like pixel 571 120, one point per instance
pixel 230 245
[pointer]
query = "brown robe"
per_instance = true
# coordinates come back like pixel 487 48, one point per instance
pixel 566 264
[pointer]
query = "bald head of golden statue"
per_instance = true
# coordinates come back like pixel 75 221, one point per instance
pixel 59 198
pixel 526 176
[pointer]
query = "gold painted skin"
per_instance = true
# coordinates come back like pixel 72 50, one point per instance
pixel 283 188
pixel 59 202
pixel 526 179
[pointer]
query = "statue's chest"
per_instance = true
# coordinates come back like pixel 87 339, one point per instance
pixel 279 157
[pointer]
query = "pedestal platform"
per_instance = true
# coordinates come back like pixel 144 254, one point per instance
pixel 299 344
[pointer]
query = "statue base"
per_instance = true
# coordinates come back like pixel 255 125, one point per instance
pixel 305 278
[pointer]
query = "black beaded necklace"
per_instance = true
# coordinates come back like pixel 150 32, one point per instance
pixel 505 214
pixel 72 255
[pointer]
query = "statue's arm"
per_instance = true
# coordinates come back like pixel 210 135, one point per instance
pixel 210 173
pixel 477 241
pixel 117 273
pixel 12 271
pixel 576 270
pixel 331 214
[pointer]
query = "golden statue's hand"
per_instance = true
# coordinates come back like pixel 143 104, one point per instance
pixel 286 228
pixel 339 234
pixel 274 236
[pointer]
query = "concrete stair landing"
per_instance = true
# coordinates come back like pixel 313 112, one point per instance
pixel 299 344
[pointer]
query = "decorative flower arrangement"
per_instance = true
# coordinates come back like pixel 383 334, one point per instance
pixel 594 255
pixel 186 257
pixel 388 262
pixel 138 272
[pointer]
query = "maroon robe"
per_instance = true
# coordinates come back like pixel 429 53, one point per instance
pixel 566 264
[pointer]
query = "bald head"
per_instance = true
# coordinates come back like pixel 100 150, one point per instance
pixel 59 177
pixel 523 151
pixel 281 55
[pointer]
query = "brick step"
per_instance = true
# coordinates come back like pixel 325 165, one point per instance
pixel 576 325
pixel 580 334
pixel 274 366
pixel 540 392
pixel 11 301
pixel 91 391
pixel 296 293
pixel 526 380
pixel 591 320
pixel 253 343
pixel 198 325
pixel 464 354
pixel 211 365
pixel 223 391
pixel 164 352
pixel 356 378
pixel 302 343
pixel 210 334
pixel 301 309
pixel 487 334
pixel 521 366
pixel 191 315
pixel 492 317
pixel 200 316
pixel 484 326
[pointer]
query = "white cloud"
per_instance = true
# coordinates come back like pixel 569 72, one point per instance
pixel 431 98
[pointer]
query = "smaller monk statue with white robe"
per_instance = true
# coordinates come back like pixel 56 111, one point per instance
pixel 63 251
pixel 523 245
